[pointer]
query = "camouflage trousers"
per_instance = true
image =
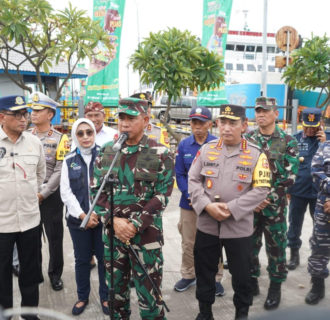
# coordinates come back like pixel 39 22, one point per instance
pixel 125 266
pixel 320 243
pixel 271 223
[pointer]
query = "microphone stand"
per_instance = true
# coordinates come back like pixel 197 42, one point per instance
pixel 110 182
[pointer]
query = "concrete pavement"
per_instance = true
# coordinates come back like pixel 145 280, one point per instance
pixel 183 305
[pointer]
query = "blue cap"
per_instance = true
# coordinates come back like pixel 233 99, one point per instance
pixel 200 113
pixel 12 103
pixel 311 117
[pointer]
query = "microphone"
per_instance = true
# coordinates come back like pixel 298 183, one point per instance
pixel 122 138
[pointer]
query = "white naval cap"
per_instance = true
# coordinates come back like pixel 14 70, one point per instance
pixel 39 101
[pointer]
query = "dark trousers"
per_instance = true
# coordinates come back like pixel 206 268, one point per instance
pixel 207 252
pixel 297 211
pixel 51 210
pixel 28 247
pixel 86 243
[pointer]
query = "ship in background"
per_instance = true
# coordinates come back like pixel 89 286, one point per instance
pixel 243 66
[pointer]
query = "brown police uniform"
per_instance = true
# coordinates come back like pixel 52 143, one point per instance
pixel 240 176
pixel 55 145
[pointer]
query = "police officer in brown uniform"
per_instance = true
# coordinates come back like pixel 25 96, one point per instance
pixel 55 145
pixel 227 180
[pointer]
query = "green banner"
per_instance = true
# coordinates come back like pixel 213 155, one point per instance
pixel 216 17
pixel 103 73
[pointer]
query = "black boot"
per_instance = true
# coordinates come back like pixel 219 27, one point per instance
pixel 274 296
pixel 294 259
pixel 317 291
pixel 255 286
pixel 205 311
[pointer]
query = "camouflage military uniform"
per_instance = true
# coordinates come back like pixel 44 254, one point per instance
pixel 320 240
pixel 281 151
pixel 145 174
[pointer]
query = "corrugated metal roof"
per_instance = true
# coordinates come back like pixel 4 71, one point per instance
pixel 60 70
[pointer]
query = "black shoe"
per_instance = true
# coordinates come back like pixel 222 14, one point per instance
pixel 57 285
pixel 255 286
pixel 205 311
pixel 317 291
pixel 105 307
pixel 274 296
pixel 294 259
pixel 78 310
pixel 16 269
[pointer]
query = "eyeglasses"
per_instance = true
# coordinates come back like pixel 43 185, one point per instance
pixel 18 115
pixel 81 133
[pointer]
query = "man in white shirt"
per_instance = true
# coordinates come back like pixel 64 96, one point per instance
pixel 94 111
pixel 22 171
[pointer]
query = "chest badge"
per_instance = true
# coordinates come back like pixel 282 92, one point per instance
pixel 209 183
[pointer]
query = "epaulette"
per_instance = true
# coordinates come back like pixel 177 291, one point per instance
pixel 57 132
pixel 253 145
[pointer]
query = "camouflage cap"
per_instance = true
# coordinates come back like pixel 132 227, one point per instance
pixel 231 111
pixel 132 106
pixel 265 103
pixel 94 106
pixel 311 117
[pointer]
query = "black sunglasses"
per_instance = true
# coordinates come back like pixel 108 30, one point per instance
pixel 18 115
pixel 81 133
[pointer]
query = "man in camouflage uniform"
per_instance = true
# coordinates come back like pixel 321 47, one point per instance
pixel 270 217
pixel 55 145
pixel 145 173
pixel 320 240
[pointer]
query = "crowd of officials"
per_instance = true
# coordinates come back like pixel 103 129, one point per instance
pixel 235 189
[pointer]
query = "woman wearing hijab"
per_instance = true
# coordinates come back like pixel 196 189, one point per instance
pixel 75 180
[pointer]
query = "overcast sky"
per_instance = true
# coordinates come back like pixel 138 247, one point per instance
pixel 144 16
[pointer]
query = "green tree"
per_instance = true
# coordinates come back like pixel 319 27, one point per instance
pixel 310 68
pixel 38 34
pixel 174 61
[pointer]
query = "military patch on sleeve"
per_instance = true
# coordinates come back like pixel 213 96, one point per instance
pixel 261 173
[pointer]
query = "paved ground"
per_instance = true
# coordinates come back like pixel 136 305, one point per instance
pixel 183 306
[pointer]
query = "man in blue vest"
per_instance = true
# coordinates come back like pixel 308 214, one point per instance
pixel 200 123
pixel 304 193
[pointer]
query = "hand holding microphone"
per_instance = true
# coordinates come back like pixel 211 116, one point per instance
pixel 121 140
